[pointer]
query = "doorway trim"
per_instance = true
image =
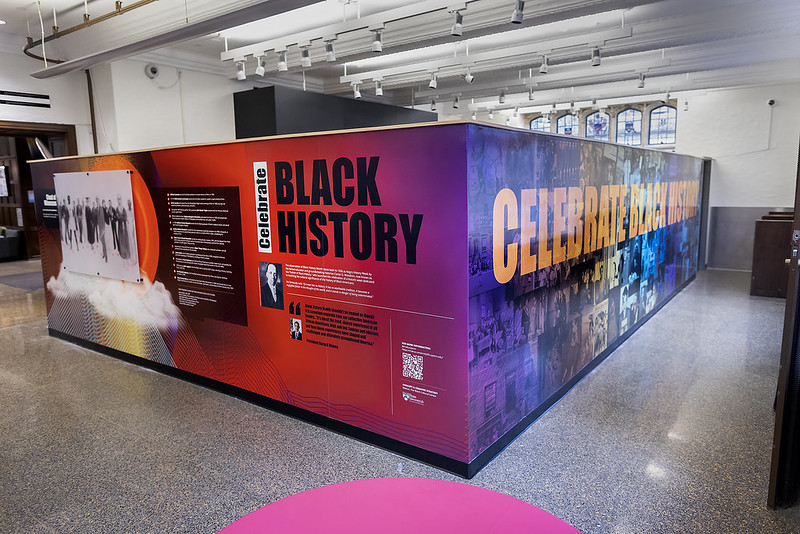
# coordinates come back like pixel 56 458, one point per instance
pixel 783 484
pixel 28 129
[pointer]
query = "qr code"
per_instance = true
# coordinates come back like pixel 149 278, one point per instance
pixel 412 366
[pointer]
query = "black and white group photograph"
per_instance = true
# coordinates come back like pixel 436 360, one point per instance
pixel 98 230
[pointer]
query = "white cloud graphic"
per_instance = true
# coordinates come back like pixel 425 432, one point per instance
pixel 143 302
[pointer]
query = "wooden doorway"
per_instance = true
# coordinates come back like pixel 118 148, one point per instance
pixel 784 483
pixel 18 145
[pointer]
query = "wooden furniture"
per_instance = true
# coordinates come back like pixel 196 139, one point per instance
pixel 771 248
pixel 10 242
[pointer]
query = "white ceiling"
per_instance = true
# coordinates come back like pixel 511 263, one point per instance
pixel 677 44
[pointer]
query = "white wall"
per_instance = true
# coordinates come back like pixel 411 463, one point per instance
pixel 754 146
pixel 132 111
pixel 69 101
pixel 208 106
pixel 147 112
pixel 178 106
pixel 500 117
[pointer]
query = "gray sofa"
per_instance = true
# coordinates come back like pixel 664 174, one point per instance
pixel 10 242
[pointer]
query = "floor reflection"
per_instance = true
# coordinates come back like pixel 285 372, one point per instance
pixel 18 306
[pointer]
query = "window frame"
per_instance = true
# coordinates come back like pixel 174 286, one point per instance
pixel 576 127
pixel 588 125
pixel 671 127
pixel 620 136
pixel 542 118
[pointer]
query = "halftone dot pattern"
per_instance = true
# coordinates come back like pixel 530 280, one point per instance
pixel 77 317
pixel 51 260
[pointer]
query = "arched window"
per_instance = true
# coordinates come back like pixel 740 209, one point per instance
pixel 567 124
pixel 663 121
pixel 597 126
pixel 540 124
pixel 629 127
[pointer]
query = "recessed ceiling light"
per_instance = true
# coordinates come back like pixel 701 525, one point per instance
pixel 2 22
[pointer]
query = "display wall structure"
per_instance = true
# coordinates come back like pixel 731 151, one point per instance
pixel 277 110
pixel 431 289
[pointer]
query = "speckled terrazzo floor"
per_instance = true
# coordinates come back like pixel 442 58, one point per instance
pixel 672 433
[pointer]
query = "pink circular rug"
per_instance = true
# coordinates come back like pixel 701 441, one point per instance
pixel 399 505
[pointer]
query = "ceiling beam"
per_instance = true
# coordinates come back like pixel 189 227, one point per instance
pixel 375 21
pixel 533 49
pixel 267 8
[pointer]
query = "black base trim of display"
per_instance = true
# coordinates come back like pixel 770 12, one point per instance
pixel 466 470
pixel 416 453
pixel 497 447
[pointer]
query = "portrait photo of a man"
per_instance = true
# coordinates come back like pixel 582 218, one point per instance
pixel 296 329
pixel 271 285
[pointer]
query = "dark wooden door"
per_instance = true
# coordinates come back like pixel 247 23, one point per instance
pixel 785 470
pixel 17 147
pixel 11 203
